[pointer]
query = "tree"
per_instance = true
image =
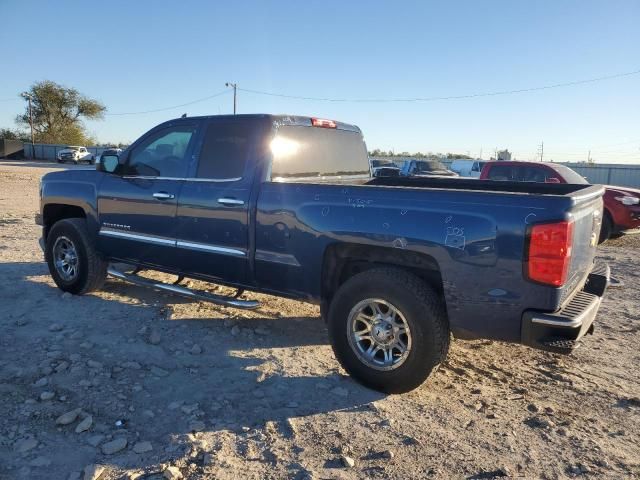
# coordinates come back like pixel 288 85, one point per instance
pixel 58 112
pixel 8 134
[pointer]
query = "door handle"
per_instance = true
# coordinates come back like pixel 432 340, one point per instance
pixel 163 195
pixel 230 201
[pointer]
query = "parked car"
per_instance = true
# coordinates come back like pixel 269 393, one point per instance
pixel 109 151
pixel 467 168
pixel 425 168
pixel 75 154
pixel 621 204
pixel 384 168
pixel 285 205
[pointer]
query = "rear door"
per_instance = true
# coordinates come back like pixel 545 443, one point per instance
pixel 213 208
pixel 137 209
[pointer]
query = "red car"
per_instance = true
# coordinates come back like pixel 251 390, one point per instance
pixel 621 204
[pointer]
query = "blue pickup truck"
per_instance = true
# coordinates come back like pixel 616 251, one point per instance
pixel 287 205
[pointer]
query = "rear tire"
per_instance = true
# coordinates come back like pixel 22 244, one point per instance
pixel 73 262
pixel 412 303
pixel 606 229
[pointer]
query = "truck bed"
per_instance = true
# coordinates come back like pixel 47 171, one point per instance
pixel 485 185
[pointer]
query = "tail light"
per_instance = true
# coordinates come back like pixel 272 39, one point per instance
pixel 321 122
pixel 549 252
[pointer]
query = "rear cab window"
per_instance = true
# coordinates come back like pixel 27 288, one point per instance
pixel 225 150
pixel 500 172
pixel 518 173
pixel 310 154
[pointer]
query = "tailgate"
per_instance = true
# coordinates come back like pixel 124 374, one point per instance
pixel 586 213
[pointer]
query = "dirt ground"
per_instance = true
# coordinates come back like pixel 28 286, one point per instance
pixel 132 382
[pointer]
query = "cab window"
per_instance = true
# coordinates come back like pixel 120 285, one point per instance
pixel 532 174
pixel 309 154
pixel 162 154
pixel 501 172
pixel 225 151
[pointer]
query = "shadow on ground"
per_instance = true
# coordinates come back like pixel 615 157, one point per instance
pixel 162 391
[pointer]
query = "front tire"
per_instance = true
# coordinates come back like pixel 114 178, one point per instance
pixel 73 262
pixel 388 329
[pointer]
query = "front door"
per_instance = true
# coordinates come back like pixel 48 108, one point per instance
pixel 213 209
pixel 137 209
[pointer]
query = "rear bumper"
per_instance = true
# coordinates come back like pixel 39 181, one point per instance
pixel 561 331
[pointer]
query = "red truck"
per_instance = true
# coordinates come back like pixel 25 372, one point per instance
pixel 621 204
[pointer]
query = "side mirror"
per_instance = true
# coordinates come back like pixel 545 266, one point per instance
pixel 108 163
pixel 553 180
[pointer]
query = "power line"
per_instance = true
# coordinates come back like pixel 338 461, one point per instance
pixel 174 106
pixel 382 100
pixel 450 97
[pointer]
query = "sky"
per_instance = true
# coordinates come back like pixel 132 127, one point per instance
pixel 136 56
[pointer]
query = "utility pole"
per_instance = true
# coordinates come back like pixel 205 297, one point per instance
pixel 235 90
pixel 589 157
pixel 541 150
pixel 28 96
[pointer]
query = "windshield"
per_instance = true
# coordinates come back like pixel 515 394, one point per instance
pixel 569 175
pixel 382 163
pixel 430 166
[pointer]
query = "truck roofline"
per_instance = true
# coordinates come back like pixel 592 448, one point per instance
pixel 278 119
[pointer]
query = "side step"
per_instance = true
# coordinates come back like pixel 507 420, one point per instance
pixel 185 292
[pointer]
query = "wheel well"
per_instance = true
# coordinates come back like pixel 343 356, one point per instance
pixel 55 212
pixel 343 261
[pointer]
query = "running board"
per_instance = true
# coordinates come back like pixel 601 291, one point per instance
pixel 185 292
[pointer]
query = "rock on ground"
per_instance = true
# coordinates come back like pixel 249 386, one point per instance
pixel 45 396
pixel 172 473
pixel 114 446
pixel 142 447
pixel 93 472
pixel 348 461
pixel 26 445
pixel 68 417
pixel 85 424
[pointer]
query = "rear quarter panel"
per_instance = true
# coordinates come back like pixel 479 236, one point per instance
pixel 477 239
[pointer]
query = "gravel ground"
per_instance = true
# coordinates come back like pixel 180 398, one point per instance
pixel 128 382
